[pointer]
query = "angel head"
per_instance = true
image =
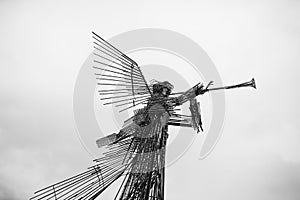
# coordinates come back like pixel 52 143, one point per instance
pixel 162 88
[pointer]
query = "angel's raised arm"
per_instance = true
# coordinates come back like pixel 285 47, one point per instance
pixel 191 93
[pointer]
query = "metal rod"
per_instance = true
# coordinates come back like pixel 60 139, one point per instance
pixel 114 48
pixel 128 95
pixel 116 80
pixel 113 71
pixel 114 66
pixel 113 53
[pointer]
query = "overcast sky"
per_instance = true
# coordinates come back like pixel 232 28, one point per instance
pixel 44 43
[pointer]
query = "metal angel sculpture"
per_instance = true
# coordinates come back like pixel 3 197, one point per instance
pixel 137 152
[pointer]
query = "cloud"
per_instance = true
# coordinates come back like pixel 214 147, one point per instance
pixel 6 192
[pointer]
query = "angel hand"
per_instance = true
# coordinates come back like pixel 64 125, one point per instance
pixel 200 90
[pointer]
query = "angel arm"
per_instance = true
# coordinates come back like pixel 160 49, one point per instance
pixel 198 89
pixel 190 95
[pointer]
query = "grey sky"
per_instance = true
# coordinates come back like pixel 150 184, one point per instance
pixel 44 43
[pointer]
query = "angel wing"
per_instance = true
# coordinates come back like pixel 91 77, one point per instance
pixel 120 78
pixel 91 183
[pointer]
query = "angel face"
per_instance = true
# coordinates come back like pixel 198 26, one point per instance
pixel 162 88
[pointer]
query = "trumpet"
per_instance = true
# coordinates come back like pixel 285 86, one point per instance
pixel 250 83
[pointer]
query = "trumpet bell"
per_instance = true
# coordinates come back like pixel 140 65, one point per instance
pixel 253 84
